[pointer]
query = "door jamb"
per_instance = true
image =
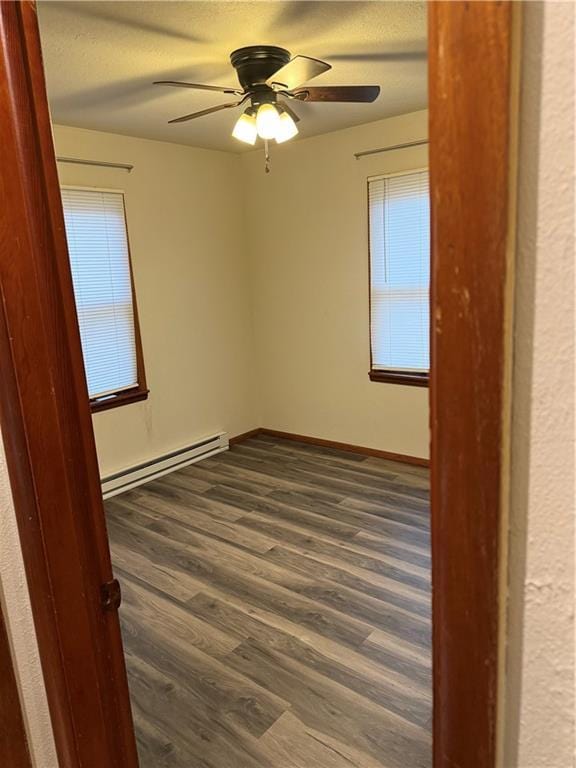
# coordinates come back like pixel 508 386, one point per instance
pixel 472 85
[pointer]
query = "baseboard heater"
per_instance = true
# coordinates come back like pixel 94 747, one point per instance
pixel 142 473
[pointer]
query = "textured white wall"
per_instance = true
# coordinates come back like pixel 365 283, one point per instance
pixel 539 716
pixel 18 615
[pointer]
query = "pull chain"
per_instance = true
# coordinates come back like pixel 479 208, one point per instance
pixel 267 156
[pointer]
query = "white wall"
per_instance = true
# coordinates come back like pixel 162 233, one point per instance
pixel 539 716
pixel 309 260
pixel 185 225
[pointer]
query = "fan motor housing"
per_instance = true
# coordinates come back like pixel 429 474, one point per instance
pixel 255 63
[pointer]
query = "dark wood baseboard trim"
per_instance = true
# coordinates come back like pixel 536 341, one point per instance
pixel 414 460
pixel 244 436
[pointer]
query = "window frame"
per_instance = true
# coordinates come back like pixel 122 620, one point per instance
pixel 389 375
pixel 140 392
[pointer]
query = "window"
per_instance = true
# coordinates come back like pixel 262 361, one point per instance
pixel 105 301
pixel 399 224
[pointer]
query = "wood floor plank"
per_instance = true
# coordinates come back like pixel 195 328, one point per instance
pixel 395 541
pixel 276 509
pixel 391 470
pixel 279 445
pixel 394 691
pixel 206 734
pixel 341 598
pixel 248 470
pixel 166 616
pixel 384 466
pixel 296 745
pixel 309 474
pixel 282 474
pixel 300 497
pixel 183 500
pixel 386 510
pixel 364 520
pixel 313 567
pixel 158 577
pixel 203 566
pixel 346 552
pixel 216 474
pixel 276 610
pixel 157 748
pixel 199 523
pixel 320 703
pixel 209 680
pixel 356 473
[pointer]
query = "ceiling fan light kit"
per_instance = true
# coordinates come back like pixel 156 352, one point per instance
pixel 267 121
pixel 269 78
pixel 286 129
pixel 245 129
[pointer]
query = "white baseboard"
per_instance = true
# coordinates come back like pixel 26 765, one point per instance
pixel 162 465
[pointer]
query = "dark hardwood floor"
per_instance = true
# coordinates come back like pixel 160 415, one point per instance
pixel 276 610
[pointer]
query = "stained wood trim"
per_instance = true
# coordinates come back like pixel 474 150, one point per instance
pixel 400 377
pixel 13 740
pixel 244 436
pixel 46 426
pixel 415 460
pixel 142 388
pixel 470 58
pixel 125 397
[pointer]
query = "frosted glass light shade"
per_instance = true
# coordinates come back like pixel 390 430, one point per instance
pixel 245 129
pixel 287 128
pixel 267 121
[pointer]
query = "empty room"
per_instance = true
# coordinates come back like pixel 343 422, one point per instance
pixel 245 196
pixel 286 404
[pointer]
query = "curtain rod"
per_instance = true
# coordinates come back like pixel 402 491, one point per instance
pixel 417 143
pixel 101 163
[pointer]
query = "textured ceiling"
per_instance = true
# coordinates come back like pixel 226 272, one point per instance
pixel 102 57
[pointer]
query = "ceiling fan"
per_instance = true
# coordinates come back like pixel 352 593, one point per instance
pixel 269 80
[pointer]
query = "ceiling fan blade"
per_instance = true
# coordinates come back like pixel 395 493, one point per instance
pixel 290 111
pixel 198 87
pixel 359 93
pixel 203 112
pixel 298 71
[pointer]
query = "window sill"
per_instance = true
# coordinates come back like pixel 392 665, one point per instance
pixel 122 398
pixel 400 377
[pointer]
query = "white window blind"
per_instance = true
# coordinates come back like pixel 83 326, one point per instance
pixel 399 217
pixel 100 261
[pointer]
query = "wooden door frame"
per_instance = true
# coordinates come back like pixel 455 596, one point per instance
pixel 472 89
pixel 46 423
